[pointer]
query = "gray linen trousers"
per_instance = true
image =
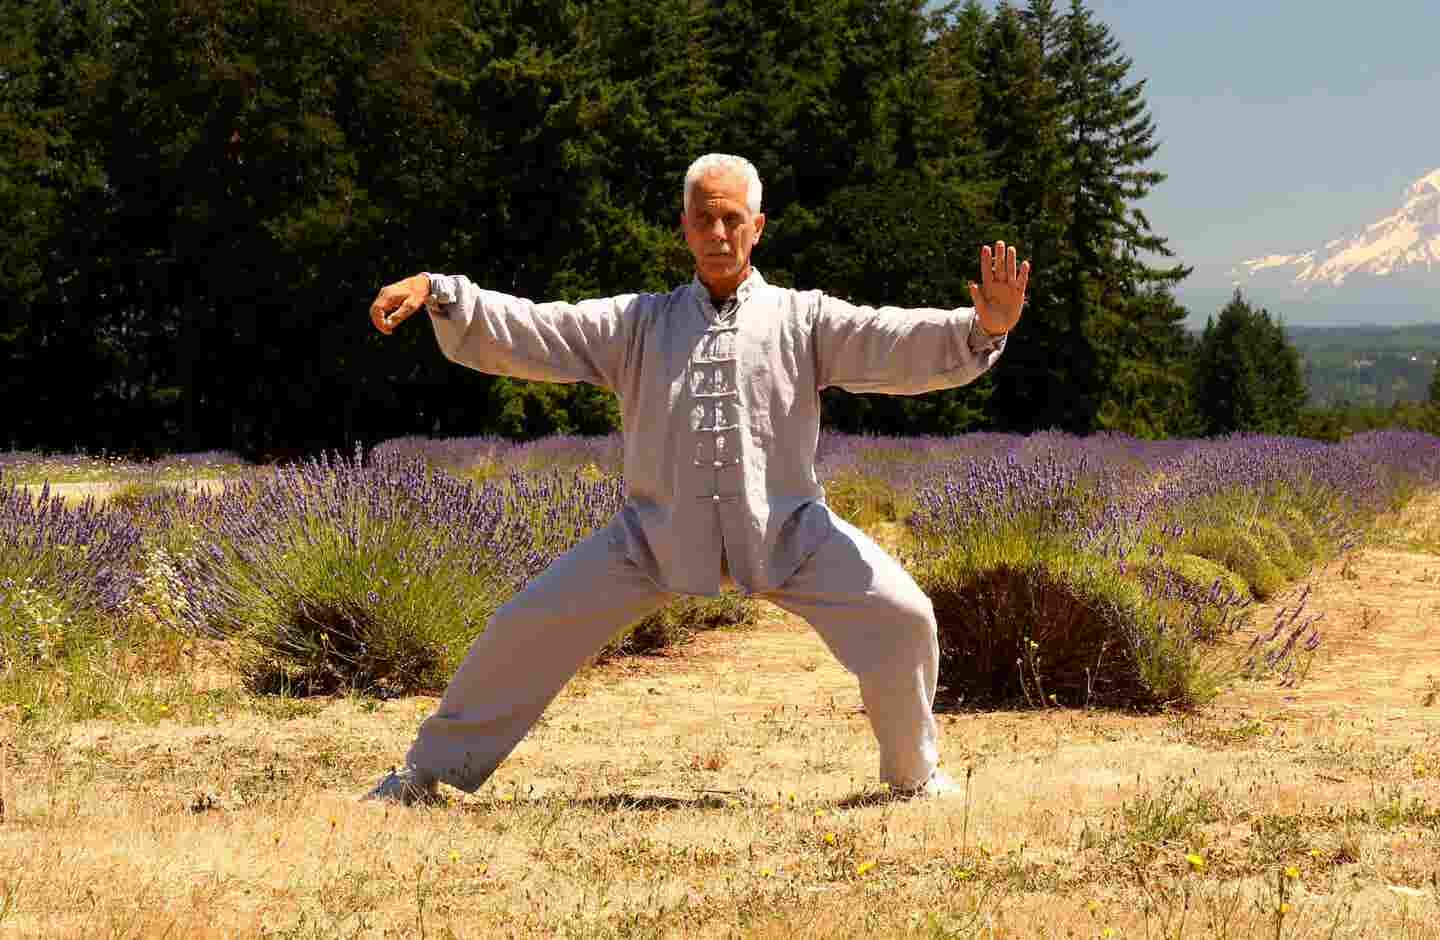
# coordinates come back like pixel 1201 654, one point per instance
pixel 721 412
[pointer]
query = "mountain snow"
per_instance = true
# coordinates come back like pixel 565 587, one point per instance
pixel 1406 242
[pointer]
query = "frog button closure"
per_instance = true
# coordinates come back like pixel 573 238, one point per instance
pixel 715 412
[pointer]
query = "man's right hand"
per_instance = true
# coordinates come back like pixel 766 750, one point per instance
pixel 397 302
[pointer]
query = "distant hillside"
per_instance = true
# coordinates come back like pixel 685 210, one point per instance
pixel 1367 365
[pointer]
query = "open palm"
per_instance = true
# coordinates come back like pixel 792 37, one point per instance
pixel 1001 291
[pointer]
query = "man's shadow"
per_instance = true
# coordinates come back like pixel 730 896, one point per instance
pixel 626 802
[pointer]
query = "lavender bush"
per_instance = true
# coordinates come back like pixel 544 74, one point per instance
pixel 1286 649
pixel 1043 631
pixel 462 456
pixel 80 553
pixel 66 575
pixel 1239 552
pixel 338 573
pixel 1053 551
pixel 1030 619
pixel 872 479
pixel 341 573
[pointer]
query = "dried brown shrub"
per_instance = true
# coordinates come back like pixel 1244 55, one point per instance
pixel 1018 632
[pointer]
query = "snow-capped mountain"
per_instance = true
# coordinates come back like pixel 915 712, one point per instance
pixel 1387 270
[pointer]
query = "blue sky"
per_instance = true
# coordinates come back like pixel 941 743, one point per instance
pixel 1281 123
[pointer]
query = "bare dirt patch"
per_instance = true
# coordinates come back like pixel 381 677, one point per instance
pixel 1380 653
pixel 1380 657
pixel 727 789
pixel 74 493
pixel 101 490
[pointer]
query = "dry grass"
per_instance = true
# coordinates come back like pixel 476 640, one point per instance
pixel 1417 527
pixel 727 791
pixel 100 491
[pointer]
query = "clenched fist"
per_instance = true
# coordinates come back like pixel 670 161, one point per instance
pixel 397 302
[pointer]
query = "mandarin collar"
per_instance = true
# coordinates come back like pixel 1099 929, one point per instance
pixel 753 282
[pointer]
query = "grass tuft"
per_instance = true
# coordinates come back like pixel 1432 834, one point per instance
pixel 864 500
pixel 1276 544
pixel 1233 548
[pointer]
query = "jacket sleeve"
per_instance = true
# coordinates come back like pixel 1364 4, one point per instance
pixel 549 342
pixel 899 351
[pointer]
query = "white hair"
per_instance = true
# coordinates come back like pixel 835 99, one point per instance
pixel 713 162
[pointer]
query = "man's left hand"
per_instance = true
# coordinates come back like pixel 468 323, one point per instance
pixel 397 302
pixel 1001 291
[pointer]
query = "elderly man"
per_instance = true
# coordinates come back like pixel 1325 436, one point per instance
pixel 719 384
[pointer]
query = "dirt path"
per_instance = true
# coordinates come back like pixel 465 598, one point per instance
pixel 1380 652
pixel 75 493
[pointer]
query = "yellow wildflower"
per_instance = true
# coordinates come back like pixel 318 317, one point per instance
pixel 864 867
pixel 1197 862
pixel 829 838
pixel 1292 872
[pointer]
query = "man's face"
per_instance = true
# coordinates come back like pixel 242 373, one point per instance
pixel 719 226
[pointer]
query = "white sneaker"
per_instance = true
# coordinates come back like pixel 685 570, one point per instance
pixel 407 787
pixel 939 784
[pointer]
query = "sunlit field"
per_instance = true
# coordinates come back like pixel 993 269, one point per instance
pixel 1190 688
pixel 22 467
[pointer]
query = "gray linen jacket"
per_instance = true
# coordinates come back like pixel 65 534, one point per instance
pixel 721 409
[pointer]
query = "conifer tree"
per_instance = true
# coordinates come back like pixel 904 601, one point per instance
pixel 1021 125
pixel 1106 281
pixel 1247 373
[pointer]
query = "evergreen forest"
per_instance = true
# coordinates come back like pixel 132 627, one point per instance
pixel 202 197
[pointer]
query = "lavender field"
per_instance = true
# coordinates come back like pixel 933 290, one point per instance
pixel 1184 681
pixel 1065 571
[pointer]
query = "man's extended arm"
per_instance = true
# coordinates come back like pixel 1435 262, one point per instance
pixel 898 350
pixel 910 351
pixel 506 335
